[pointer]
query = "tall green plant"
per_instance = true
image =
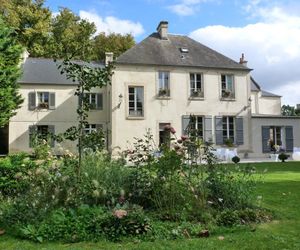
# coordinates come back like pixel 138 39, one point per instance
pixel 10 55
pixel 87 77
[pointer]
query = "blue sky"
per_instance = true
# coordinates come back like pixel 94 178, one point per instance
pixel 267 31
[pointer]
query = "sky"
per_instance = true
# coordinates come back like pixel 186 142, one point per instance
pixel 266 31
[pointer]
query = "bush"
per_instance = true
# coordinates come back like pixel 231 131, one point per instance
pixel 87 223
pixel 228 218
pixel 236 159
pixel 283 157
pixel 230 189
pixel 13 174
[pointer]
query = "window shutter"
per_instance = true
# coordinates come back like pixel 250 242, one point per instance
pixel 185 124
pixel 51 131
pixel 208 128
pixel 51 100
pixel 31 101
pixel 79 99
pixel 32 133
pixel 219 130
pixel 289 139
pixel 239 126
pixel 265 134
pixel 99 101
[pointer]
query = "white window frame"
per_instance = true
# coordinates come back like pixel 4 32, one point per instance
pixel 194 88
pixel 135 102
pixel 89 95
pixel 164 84
pixel 89 128
pixel 231 94
pixel 227 129
pixel 197 125
pixel 41 103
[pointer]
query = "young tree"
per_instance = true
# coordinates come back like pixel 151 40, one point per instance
pixel 88 77
pixel 10 56
pixel 288 110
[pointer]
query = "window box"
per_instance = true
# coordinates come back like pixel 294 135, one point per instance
pixel 43 105
pixel 164 93
pixel 228 94
pixel 197 93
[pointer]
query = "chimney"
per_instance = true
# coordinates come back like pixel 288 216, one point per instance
pixel 109 57
pixel 162 29
pixel 243 61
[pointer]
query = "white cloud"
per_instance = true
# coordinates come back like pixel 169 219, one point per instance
pixel 112 24
pixel 272 47
pixel 186 7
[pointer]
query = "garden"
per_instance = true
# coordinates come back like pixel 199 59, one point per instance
pixel 140 198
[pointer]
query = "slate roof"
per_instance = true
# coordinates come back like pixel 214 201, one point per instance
pixel 156 51
pixel 44 71
pixel 256 87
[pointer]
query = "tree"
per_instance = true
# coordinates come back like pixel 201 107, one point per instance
pixel 88 77
pixel 32 22
pixel 10 55
pixel 69 33
pixel 288 110
pixel 115 43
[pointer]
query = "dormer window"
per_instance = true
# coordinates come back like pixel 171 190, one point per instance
pixel 227 85
pixel 184 50
pixel 163 84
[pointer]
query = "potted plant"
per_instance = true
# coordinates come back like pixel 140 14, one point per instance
pixel 162 92
pixel 282 156
pixel 226 93
pixel 228 142
pixel 197 93
pixel 43 105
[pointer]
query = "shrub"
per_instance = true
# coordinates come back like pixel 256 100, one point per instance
pixel 228 218
pixel 13 174
pixel 283 157
pixel 236 159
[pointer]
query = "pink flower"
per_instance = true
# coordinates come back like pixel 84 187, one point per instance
pixel 184 137
pixel 172 130
pixel 120 213
pixel 167 127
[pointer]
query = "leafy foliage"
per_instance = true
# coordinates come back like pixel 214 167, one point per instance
pixel 10 56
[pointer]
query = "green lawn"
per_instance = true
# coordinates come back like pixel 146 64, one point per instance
pixel 280 189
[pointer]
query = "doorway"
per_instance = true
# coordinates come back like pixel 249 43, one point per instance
pixel 4 140
pixel 164 135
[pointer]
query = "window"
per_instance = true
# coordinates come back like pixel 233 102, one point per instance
pixel 164 135
pixel 163 84
pixel 228 128
pixel 43 100
pixel 227 86
pixel 196 88
pixel 89 128
pixel 39 133
pixel 276 135
pixel 136 101
pixel 196 126
pixel 95 100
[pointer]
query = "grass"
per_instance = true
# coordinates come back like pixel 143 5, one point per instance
pixel 280 191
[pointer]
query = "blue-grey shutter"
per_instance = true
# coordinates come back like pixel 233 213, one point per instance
pixel 51 131
pixel 51 100
pixel 239 127
pixel 185 124
pixel 208 128
pixel 99 101
pixel 31 101
pixel 289 139
pixel 265 134
pixel 32 133
pixel 219 130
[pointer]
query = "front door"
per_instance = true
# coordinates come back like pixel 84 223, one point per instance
pixel 4 140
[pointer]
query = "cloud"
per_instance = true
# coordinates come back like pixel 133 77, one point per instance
pixel 111 24
pixel 186 7
pixel 271 45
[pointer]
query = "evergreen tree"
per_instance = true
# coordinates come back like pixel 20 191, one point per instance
pixel 10 55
